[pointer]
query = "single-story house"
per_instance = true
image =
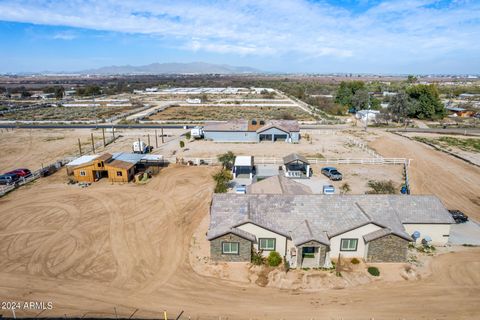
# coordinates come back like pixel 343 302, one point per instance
pixel 308 230
pixel 253 131
pixel 364 115
pixel 296 166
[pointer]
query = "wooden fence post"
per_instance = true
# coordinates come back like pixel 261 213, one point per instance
pixel 156 139
pixel 80 147
pixel 93 144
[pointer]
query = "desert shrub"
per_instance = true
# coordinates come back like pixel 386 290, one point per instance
pixel 274 259
pixel 345 188
pixel 373 271
pixel 355 261
pixel 381 187
pixel 257 257
pixel 188 135
pixel 182 144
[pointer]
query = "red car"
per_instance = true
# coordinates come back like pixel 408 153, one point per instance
pixel 21 172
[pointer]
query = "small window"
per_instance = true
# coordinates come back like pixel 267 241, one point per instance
pixel 83 173
pixel 267 244
pixel 254 122
pixel 262 122
pixel 119 173
pixel 230 247
pixel 348 244
pixel 99 164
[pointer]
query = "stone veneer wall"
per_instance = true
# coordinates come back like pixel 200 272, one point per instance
pixel 389 248
pixel 322 251
pixel 244 254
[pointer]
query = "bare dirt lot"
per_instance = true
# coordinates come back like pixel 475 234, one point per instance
pixel 30 148
pixel 127 246
pixel 455 182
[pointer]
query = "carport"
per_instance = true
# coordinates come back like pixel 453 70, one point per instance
pixel 243 167
pixel 296 166
pixel 273 134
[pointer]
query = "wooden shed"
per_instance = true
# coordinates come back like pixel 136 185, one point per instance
pixel 93 170
pixel 120 171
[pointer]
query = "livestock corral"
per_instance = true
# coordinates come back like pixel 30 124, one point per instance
pixel 134 250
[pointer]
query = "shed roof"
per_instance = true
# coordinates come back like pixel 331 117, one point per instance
pixel 104 157
pixel 120 164
pixel 244 161
pixel 82 160
pixel 244 126
pixel 294 157
pixel 128 157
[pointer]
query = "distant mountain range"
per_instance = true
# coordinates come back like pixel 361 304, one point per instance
pixel 172 68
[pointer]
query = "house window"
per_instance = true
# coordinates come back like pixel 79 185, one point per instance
pixel 83 173
pixel 119 173
pixel 230 247
pixel 267 244
pixel 348 244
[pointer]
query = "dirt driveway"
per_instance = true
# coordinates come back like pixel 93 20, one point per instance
pixel 126 247
pixel 454 181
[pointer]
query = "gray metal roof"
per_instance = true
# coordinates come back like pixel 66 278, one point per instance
pixel 128 157
pixel 242 125
pixel 326 215
pixel 294 157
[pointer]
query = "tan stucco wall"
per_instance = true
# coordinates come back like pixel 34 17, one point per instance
pixel 259 232
pixel 435 231
pixel 353 234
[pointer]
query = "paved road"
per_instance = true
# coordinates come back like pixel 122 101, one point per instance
pixel 92 126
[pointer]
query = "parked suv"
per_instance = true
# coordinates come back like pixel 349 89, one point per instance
pixel 9 178
pixel 21 172
pixel 332 173
pixel 458 216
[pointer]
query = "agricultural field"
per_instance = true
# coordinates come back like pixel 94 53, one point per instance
pixel 66 113
pixel 231 113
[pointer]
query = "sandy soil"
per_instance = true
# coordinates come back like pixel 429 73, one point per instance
pixel 470 155
pixel 127 246
pixel 454 181
pixel 31 148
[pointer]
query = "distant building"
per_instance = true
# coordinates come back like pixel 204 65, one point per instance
pixel 253 131
pixel 367 115
pixel 194 101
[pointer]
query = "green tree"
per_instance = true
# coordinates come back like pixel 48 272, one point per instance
pixel 347 90
pixel 411 79
pixel 427 102
pixel 360 99
pixel 400 106
pixel 227 159
pixel 221 179
pixel 59 91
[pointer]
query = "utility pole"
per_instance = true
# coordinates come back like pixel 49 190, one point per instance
pixel 162 135
pixel 113 133
pixel 368 112
pixel 80 147
pixel 93 144
pixel 156 139
pixel 148 137
pixel 103 134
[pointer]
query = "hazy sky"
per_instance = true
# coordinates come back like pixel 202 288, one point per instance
pixel 405 36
